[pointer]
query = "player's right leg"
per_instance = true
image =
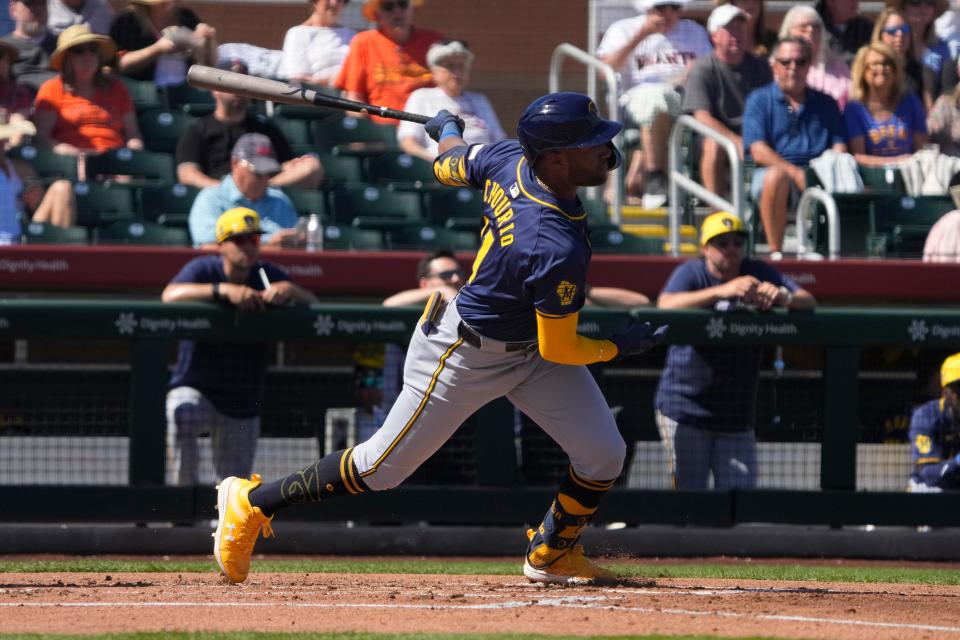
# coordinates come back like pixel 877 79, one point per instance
pixel 445 381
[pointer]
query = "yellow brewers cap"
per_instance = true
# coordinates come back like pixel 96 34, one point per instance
pixel 950 371
pixel 239 221
pixel 719 223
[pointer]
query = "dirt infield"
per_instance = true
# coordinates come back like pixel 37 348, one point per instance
pixel 95 602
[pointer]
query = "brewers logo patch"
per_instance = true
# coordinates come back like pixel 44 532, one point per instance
pixel 923 444
pixel 566 292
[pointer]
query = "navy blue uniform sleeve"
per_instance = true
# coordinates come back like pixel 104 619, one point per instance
pixel 199 270
pixel 558 279
pixel 468 166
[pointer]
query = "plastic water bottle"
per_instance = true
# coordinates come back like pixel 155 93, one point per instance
pixel 314 233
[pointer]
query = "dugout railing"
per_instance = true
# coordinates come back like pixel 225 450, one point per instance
pixel 82 426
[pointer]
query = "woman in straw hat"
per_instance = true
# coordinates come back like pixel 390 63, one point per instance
pixel 84 109
pixel 928 49
pixel 56 206
pixel 157 38
pixel 386 64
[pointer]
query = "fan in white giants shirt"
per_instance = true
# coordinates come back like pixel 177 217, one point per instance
pixel 652 52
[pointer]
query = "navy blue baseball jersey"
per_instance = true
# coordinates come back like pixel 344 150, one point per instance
pixel 230 374
pixel 713 387
pixel 534 246
pixel 935 443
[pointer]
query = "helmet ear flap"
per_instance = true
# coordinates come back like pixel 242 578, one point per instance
pixel 615 159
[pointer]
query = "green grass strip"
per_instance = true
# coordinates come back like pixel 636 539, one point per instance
pixel 784 572
pixel 345 636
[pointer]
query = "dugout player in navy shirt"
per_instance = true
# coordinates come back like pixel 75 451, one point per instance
pixel 935 435
pixel 217 387
pixel 511 331
pixel 706 400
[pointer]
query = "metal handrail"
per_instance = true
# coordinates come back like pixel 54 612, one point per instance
pixel 804 207
pixel 567 50
pixel 679 180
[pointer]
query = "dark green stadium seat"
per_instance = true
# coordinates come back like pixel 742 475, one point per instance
pixel 402 171
pixel 368 200
pixel 167 204
pixel 447 203
pixel 99 205
pixel 427 237
pixel 46 233
pixel 472 224
pixel 146 166
pixel 610 239
pixel 350 135
pixel 339 170
pixel 144 93
pixel 162 128
pixel 297 133
pixel 46 163
pixel 141 232
pixel 882 179
pixel 908 220
pixel 338 236
pixel 191 100
pixel 307 201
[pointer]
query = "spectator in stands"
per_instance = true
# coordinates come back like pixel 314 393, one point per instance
pixel 847 30
pixel 313 52
pixel 449 62
pixel 935 435
pixel 16 102
pixel 758 38
pixel 84 109
pixel 386 64
pixel 705 404
pixel 892 29
pixel 943 240
pixel 786 125
pixel 96 14
pixel 34 41
pixel 885 121
pixel 55 206
pixel 252 164
pixel 653 53
pixel 157 39
pixel 203 151
pixel 828 72
pixel 927 49
pixel 717 89
pixel 943 123
pixel 217 387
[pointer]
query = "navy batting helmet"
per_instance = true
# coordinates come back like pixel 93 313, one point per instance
pixel 565 120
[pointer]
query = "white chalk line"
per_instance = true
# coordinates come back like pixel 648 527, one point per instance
pixel 572 602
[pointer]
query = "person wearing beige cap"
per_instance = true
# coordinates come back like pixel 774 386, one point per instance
pixel 450 62
pixel 717 88
pixel 157 39
pixel 84 109
pixel 217 388
pixel 388 63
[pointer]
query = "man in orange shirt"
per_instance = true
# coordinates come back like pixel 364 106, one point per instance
pixel 385 65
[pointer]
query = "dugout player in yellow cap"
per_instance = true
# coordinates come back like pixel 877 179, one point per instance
pixel 935 435
pixel 217 387
pixel 704 414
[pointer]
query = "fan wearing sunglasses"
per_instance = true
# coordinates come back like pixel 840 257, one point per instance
pixel 386 64
pixel 706 399
pixel 217 387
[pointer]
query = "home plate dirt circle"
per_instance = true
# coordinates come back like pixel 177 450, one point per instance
pixel 83 603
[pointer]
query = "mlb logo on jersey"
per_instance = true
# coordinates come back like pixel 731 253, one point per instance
pixel 566 292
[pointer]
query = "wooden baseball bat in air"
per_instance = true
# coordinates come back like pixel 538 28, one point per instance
pixel 275 91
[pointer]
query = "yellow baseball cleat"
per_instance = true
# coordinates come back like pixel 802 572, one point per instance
pixel 238 526
pixel 571 568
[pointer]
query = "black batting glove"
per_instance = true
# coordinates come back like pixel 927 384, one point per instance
pixel 437 125
pixel 638 337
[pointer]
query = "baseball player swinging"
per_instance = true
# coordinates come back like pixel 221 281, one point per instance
pixel 511 331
